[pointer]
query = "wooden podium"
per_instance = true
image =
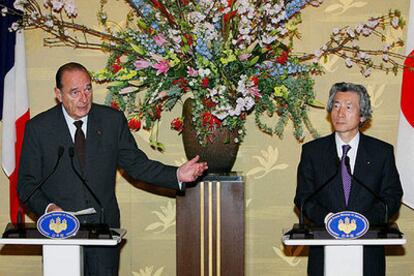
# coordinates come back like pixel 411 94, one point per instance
pixel 345 257
pixel 210 227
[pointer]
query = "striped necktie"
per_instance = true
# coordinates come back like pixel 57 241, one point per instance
pixel 346 177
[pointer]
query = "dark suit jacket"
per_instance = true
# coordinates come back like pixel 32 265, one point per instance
pixel 374 167
pixel 109 144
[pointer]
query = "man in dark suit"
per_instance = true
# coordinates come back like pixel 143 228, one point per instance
pixel 371 161
pixel 96 140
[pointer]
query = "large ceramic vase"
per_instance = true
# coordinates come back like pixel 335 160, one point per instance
pixel 220 153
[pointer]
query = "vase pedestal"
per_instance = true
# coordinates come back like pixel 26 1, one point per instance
pixel 210 227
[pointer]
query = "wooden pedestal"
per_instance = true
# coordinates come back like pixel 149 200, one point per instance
pixel 210 227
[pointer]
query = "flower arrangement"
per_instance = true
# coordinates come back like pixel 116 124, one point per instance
pixel 234 58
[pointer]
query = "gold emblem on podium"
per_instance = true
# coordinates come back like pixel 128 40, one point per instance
pixel 58 225
pixel 347 226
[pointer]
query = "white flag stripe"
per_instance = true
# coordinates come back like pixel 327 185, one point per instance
pixel 405 160
pixel 405 140
pixel 15 104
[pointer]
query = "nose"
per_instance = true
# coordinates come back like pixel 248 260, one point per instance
pixel 83 97
pixel 341 112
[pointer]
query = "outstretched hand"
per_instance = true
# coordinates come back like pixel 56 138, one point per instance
pixel 191 170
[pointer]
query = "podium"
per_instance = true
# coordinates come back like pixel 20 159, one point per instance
pixel 339 252
pixel 62 257
pixel 210 227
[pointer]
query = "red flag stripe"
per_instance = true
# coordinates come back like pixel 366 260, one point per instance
pixel 14 198
pixel 407 93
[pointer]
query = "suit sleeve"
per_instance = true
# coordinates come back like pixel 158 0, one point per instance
pixel 136 163
pixel 312 209
pixel 30 172
pixel 390 191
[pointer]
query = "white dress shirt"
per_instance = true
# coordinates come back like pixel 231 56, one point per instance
pixel 352 153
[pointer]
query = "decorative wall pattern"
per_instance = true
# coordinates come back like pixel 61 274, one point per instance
pixel 268 163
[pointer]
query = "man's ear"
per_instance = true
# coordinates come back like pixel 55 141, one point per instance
pixel 58 94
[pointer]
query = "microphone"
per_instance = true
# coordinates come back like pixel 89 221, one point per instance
pixel 376 196
pixel 84 182
pixel 61 149
pixel 309 197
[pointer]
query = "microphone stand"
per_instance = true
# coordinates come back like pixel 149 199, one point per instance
pixel 376 196
pixel 302 205
pixel 18 230
pixel 43 181
pixel 386 230
pixel 302 230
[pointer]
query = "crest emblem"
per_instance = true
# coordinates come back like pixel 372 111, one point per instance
pixel 58 225
pixel 347 225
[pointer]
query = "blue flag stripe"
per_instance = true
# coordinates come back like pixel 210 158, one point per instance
pixel 8 41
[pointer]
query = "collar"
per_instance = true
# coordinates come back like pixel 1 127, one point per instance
pixel 70 120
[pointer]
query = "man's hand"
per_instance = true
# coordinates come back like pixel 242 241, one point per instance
pixel 53 208
pixel 191 170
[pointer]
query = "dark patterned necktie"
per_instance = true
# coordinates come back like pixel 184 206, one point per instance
pixel 346 177
pixel 80 142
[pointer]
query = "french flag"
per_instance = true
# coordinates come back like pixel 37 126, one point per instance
pixel 14 105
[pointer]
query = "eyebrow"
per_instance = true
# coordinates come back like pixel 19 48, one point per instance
pixel 89 85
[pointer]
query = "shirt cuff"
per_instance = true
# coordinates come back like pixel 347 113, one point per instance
pixel 327 217
pixel 180 184
pixel 47 207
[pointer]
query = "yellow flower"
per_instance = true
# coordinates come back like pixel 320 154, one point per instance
pixel 125 74
pixel 281 91
pixel 101 75
pixel 172 59
pixel 229 57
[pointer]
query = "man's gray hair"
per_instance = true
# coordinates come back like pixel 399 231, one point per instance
pixel 364 101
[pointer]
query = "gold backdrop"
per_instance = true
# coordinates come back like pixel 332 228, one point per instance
pixel 268 162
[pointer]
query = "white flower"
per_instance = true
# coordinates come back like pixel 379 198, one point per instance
pixel 248 103
pixel 204 72
pixel 350 32
pixel 267 39
pixel 366 72
pixel 366 31
pixel 318 53
pixel 49 23
pixel 373 23
pixel 385 57
pixel 316 3
pixel 282 30
pixel 14 27
pixel 57 5
pixel 70 8
pixel 348 62
pixel 359 28
pixel 213 92
pixel 335 31
pixel 363 56
pixel 19 5
pixel 395 22
pixel 196 17
pixel 354 44
pixel 4 11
